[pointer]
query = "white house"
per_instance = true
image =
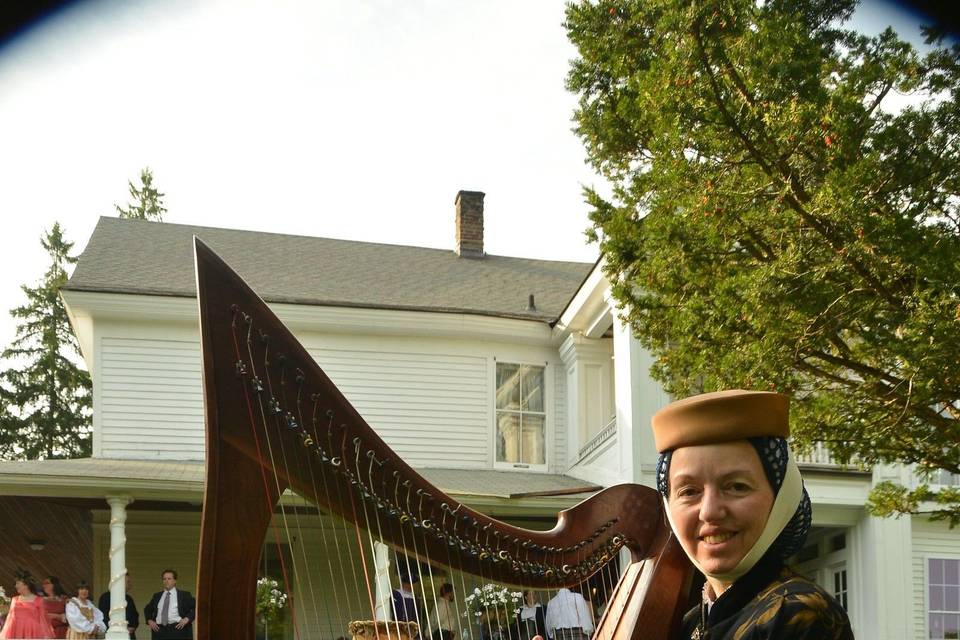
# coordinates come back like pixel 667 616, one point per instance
pixel 508 382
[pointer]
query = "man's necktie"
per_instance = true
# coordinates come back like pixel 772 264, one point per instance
pixel 165 608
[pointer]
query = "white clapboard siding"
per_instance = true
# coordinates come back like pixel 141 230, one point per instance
pixel 930 540
pixel 151 400
pixel 432 409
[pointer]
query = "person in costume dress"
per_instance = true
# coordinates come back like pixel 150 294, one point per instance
pixel 28 616
pixel 736 502
pixel 55 600
pixel 85 620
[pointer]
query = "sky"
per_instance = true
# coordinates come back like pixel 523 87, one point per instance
pixel 356 119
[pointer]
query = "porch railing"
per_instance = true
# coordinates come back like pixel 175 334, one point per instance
pixel 598 439
pixel 819 455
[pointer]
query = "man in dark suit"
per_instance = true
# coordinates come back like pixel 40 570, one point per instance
pixel 132 616
pixel 170 612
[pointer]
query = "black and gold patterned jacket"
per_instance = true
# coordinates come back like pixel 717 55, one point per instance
pixel 769 602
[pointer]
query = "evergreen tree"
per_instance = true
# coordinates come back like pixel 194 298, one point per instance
pixel 45 399
pixel 146 202
pixel 778 222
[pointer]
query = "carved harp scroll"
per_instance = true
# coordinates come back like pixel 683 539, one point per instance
pixel 275 421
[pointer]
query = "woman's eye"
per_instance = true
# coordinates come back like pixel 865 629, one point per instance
pixel 739 487
pixel 686 492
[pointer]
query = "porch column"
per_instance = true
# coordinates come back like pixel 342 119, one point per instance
pixel 384 593
pixel 638 397
pixel 118 568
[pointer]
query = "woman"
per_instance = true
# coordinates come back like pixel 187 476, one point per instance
pixel 531 620
pixel 55 601
pixel 736 503
pixel 27 617
pixel 86 621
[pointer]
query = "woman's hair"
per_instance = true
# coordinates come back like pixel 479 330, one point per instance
pixel 446 588
pixel 58 589
pixel 774 454
pixel 22 575
pixel 82 584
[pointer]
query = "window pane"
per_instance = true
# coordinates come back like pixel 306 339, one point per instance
pixel 951 599
pixel 936 598
pixel 532 387
pixel 508 437
pixel 936 626
pixel 951 572
pixel 951 626
pixel 936 571
pixel 508 386
pixel 533 444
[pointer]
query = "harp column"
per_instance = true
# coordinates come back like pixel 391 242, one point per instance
pixel 118 568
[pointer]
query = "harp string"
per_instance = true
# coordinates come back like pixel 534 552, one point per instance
pixel 361 489
pixel 325 458
pixel 373 460
pixel 416 554
pixel 284 420
pixel 256 439
pixel 309 440
pixel 276 410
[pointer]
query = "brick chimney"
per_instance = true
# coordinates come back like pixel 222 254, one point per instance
pixel 469 223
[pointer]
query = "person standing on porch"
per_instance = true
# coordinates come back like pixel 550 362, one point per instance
pixel 55 600
pixel 170 612
pixel 132 615
pixel 85 620
pixel 28 615
pixel 568 616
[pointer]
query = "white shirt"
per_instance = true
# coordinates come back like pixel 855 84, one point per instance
pixel 173 615
pixel 78 621
pixel 568 610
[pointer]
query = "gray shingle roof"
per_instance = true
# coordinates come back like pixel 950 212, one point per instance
pixel 141 257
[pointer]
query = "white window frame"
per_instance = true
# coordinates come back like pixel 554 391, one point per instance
pixel 927 557
pixel 547 416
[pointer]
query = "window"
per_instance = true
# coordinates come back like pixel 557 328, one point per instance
pixel 521 416
pixel 943 598
pixel 840 587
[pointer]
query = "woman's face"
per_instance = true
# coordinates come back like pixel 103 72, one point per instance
pixel 21 588
pixel 83 593
pixel 719 502
pixel 47 588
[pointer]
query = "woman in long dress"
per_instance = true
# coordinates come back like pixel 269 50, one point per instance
pixel 28 615
pixel 85 620
pixel 55 600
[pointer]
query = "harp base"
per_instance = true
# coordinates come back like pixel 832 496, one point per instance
pixel 382 630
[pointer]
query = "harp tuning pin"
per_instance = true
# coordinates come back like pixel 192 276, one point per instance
pixel 264 338
pixel 281 360
pixel 241 368
pixel 329 413
pixel 484 555
pixel 307 439
pixel 247 319
pixel 300 377
pixel 234 308
pixel 503 555
pixel 292 422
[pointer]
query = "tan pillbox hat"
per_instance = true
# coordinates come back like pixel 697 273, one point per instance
pixel 721 416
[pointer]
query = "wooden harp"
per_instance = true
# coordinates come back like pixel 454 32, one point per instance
pixel 275 421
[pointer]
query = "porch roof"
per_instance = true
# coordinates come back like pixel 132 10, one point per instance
pixel 183 481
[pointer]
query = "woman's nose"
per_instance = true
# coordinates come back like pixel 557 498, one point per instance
pixel 712 506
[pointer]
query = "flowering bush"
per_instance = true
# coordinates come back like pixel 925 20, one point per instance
pixel 490 597
pixel 270 600
pixel 4 602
